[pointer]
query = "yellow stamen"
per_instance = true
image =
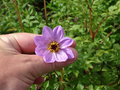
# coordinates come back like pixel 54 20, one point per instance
pixel 53 46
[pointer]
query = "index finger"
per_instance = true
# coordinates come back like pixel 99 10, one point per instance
pixel 26 42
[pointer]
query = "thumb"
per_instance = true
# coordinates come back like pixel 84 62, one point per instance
pixel 40 67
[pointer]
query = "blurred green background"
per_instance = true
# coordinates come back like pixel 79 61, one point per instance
pixel 94 24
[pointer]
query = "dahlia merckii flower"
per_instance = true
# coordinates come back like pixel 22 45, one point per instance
pixel 53 46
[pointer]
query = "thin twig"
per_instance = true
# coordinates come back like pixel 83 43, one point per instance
pixel 62 74
pixel 18 15
pixel 88 5
pixel 109 34
pixel 45 11
pixel 90 19
pixel 61 78
pixel 99 25
pixel 112 32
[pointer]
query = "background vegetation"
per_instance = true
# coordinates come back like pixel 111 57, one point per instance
pixel 94 24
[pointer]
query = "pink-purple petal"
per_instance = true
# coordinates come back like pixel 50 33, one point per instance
pixel 61 56
pixel 66 42
pixel 49 57
pixel 69 53
pixel 37 40
pixel 58 33
pixel 40 52
pixel 41 41
pixel 47 32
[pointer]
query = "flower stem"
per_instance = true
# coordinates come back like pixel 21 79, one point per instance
pixel 18 14
pixel 90 19
pixel 45 11
pixel 62 74
pixel 61 78
pixel 99 25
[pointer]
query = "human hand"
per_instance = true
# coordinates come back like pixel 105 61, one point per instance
pixel 19 67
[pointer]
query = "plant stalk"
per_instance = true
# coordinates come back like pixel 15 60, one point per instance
pixel 45 12
pixel 18 15
pixel 61 79
pixel 90 21
pixel 99 25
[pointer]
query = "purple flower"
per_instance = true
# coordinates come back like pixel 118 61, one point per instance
pixel 53 46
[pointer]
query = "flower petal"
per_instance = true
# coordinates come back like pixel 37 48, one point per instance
pixel 38 39
pixel 49 57
pixel 66 42
pixel 47 32
pixel 41 41
pixel 69 53
pixel 61 56
pixel 58 33
pixel 40 52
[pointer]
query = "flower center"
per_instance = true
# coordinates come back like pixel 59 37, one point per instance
pixel 54 46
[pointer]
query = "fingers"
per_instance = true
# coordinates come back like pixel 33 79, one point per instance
pixel 41 67
pixel 26 42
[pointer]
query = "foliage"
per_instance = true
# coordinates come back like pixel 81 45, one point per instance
pixel 93 24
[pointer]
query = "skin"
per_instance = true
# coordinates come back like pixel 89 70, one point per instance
pixel 19 66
